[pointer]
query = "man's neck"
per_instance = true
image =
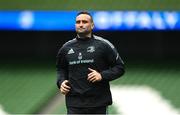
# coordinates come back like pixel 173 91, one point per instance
pixel 84 36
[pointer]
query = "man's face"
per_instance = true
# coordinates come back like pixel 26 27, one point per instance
pixel 84 25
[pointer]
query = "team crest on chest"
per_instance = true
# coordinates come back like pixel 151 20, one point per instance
pixel 91 49
pixel 80 56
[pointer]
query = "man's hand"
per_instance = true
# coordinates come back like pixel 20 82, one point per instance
pixel 94 76
pixel 65 88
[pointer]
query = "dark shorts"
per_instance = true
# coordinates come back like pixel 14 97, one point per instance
pixel 88 110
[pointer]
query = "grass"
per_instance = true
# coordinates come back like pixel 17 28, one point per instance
pixel 89 5
pixel 25 88
pixel 163 76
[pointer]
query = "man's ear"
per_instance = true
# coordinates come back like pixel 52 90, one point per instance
pixel 92 26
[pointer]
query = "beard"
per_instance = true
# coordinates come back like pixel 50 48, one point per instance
pixel 82 32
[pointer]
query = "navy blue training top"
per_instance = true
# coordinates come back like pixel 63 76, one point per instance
pixel 73 60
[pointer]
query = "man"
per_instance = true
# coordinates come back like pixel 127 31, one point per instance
pixel 85 65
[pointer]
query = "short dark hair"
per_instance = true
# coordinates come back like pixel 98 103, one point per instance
pixel 85 12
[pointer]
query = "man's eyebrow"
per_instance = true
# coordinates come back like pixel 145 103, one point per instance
pixel 82 20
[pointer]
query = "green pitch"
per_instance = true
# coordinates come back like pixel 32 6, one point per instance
pixel 162 76
pixel 28 87
pixel 89 4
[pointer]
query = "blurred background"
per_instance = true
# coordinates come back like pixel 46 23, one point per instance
pixel 145 33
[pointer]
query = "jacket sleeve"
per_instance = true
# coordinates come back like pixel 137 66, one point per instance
pixel 61 67
pixel 116 65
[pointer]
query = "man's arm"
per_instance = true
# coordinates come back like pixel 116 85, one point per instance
pixel 115 62
pixel 62 74
pixel 61 67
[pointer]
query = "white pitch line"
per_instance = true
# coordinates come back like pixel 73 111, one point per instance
pixel 2 112
pixel 141 100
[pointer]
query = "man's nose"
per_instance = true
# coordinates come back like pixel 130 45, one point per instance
pixel 80 24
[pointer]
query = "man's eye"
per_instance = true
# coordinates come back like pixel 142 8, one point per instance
pixel 84 21
pixel 77 22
